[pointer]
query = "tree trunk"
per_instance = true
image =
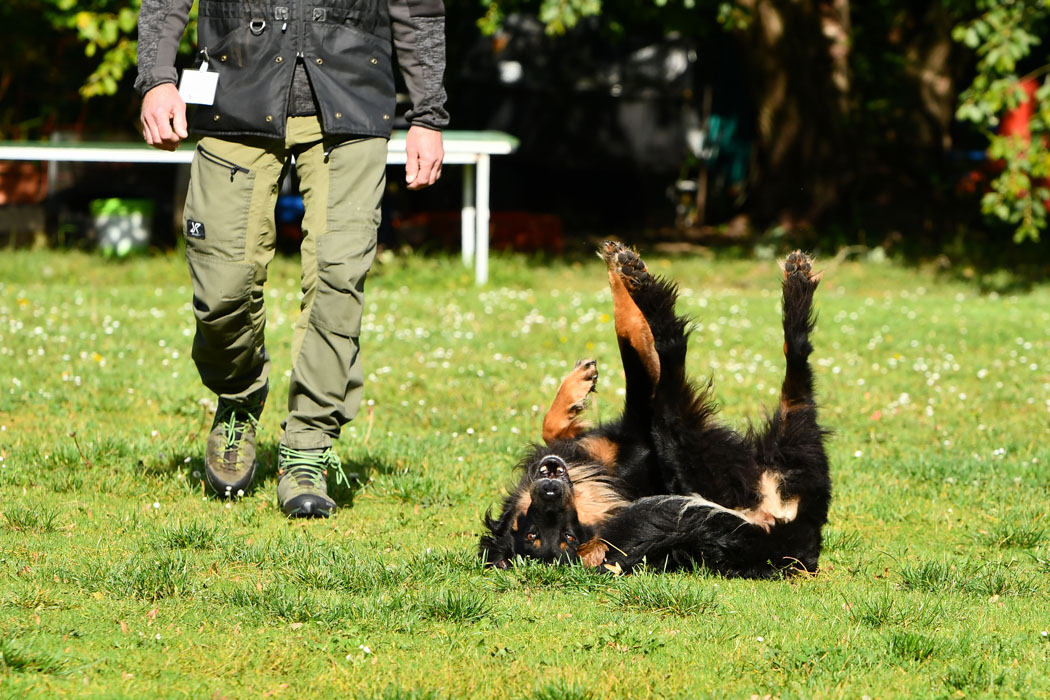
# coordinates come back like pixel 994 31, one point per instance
pixel 798 65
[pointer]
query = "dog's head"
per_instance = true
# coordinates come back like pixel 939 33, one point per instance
pixel 554 513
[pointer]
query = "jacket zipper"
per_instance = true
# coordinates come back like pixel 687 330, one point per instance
pixel 217 160
pixel 301 40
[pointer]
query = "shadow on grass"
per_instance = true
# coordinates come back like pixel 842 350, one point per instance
pixel 358 472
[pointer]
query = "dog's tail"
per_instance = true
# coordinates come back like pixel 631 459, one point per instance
pixel 685 531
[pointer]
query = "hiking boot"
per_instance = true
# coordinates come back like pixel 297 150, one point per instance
pixel 229 460
pixel 302 486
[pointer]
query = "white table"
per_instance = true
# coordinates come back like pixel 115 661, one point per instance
pixel 471 149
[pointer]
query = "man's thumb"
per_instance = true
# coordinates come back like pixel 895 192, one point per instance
pixel 178 122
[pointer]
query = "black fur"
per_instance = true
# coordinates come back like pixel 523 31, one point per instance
pixel 669 451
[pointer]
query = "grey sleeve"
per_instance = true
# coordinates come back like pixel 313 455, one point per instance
pixel 161 25
pixel 419 38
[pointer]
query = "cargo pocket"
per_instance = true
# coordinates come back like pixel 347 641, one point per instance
pixel 356 179
pixel 222 306
pixel 215 219
pixel 343 259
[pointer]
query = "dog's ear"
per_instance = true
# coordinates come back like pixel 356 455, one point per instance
pixel 497 546
pixel 592 553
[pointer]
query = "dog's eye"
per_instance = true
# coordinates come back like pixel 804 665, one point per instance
pixel 570 538
pixel 531 537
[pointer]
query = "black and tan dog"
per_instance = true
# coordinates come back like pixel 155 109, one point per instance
pixel 665 483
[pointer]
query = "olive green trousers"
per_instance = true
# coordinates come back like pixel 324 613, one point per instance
pixel 230 240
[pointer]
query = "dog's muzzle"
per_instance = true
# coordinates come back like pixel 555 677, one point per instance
pixel 552 485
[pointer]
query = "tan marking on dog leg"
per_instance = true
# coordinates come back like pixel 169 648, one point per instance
pixel 787 406
pixel 771 508
pixel 592 552
pixel 562 419
pixel 602 450
pixel 632 328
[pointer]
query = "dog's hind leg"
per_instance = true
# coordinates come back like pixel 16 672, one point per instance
pixel 800 281
pixel 562 421
pixel 791 450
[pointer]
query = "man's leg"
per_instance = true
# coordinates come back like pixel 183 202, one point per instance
pixel 342 186
pixel 230 238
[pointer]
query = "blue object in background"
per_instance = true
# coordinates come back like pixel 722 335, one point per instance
pixel 290 209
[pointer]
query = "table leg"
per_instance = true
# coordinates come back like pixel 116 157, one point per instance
pixel 481 264
pixel 468 218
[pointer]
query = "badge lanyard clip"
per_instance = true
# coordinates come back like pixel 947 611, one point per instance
pixel 198 86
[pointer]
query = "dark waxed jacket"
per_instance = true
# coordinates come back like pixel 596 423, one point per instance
pixel 345 48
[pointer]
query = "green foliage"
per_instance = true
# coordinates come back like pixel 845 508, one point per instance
pixel 108 31
pixel 557 15
pixel 560 16
pixel 1007 38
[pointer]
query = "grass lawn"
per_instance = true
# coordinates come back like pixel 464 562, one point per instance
pixel 120 576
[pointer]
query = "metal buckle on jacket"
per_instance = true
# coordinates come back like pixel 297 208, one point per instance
pixel 257 26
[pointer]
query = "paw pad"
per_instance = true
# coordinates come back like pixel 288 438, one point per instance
pixel 624 262
pixel 800 263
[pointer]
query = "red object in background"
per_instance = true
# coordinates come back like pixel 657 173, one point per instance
pixel 519 231
pixel 1017 122
pixel 22 182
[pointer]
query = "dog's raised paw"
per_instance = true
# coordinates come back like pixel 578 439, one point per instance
pixel 582 381
pixel 587 368
pixel 798 264
pixel 625 263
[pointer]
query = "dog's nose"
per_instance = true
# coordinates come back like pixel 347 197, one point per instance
pixel 551 489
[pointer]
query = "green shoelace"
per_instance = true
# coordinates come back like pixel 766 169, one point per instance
pixel 310 467
pixel 237 417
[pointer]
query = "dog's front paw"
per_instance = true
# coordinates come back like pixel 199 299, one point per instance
pixel 582 381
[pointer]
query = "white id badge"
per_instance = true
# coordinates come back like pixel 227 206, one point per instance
pixel 198 86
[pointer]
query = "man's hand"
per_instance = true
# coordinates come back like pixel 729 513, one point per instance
pixel 163 117
pixel 425 153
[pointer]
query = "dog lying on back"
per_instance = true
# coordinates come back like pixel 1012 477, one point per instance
pixel 665 483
